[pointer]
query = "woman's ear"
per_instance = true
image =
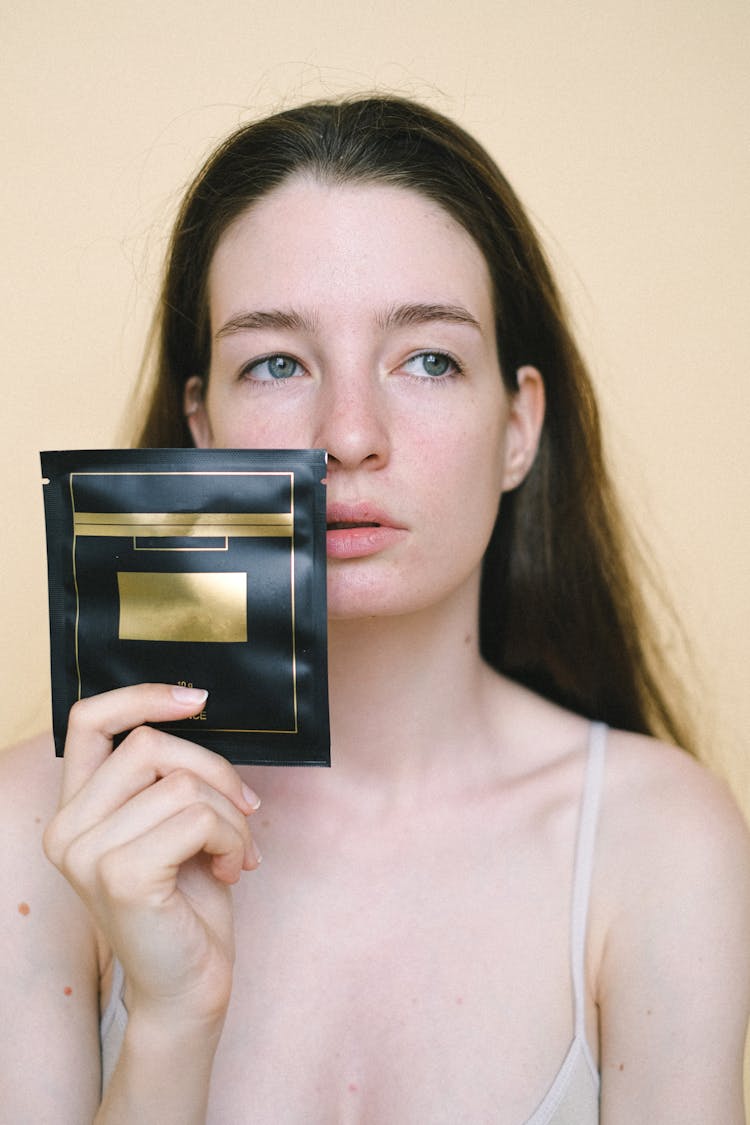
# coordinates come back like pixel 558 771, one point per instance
pixel 194 407
pixel 525 422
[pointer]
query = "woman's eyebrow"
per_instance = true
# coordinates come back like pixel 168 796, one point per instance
pixel 267 318
pixel 399 316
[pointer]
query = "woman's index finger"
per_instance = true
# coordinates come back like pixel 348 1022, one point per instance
pixel 95 721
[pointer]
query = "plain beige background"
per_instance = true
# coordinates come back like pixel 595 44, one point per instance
pixel 624 127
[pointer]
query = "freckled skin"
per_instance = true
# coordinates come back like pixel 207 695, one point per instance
pixel 353 387
pixel 24 908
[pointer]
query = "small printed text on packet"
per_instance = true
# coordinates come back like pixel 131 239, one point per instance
pixel 201 716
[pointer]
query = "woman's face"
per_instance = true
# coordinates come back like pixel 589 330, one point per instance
pixel 359 319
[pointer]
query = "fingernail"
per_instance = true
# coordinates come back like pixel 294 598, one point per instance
pixel 253 856
pixel 251 797
pixel 192 695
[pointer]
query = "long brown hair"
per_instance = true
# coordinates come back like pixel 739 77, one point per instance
pixel 560 611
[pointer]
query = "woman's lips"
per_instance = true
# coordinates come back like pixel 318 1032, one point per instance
pixel 354 531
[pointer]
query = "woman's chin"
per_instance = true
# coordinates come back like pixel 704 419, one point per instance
pixel 363 593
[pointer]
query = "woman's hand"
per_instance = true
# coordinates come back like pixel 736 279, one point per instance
pixel 151 837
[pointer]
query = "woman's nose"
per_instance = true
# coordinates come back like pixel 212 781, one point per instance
pixel 352 422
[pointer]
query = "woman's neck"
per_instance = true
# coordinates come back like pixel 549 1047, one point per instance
pixel 416 716
pixel 404 690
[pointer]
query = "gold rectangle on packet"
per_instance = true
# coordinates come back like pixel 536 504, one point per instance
pixel 195 606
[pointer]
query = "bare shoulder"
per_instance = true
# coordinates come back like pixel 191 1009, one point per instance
pixel 37 898
pixel 671 838
pixel 29 790
pixel 49 964
pixel 665 803
pixel 671 929
pixel 30 778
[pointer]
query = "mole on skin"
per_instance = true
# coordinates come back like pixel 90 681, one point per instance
pixel 24 908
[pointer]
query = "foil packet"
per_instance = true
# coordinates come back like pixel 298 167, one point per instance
pixel 200 567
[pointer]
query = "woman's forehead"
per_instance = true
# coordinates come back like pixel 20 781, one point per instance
pixel 310 241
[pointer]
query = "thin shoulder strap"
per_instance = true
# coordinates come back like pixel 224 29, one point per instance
pixel 584 862
pixel 114 1002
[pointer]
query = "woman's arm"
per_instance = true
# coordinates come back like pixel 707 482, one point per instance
pixel 674 987
pixel 49 1046
pixel 150 837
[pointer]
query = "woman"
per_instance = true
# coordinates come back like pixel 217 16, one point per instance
pixel 491 908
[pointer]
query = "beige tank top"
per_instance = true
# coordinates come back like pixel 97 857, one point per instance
pixel 573 1097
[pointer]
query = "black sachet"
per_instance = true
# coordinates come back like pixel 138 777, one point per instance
pixel 200 567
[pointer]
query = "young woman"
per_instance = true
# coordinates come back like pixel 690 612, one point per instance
pixel 505 901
